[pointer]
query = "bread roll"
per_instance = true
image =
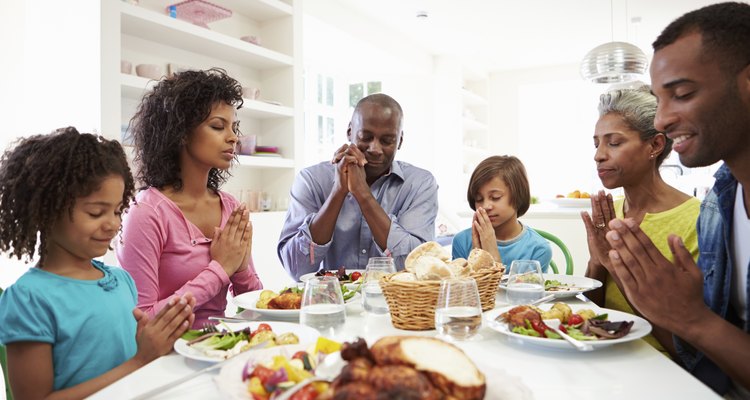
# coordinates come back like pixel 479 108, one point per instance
pixel 447 367
pixel 480 259
pixel 404 277
pixel 433 249
pixel 431 268
pixel 459 267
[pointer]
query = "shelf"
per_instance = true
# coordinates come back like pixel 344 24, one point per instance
pixel 472 99
pixel 258 10
pixel 473 125
pixel 265 162
pixel 262 110
pixel 149 25
pixel 134 87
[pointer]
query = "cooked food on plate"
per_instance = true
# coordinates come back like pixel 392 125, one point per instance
pixel 583 325
pixel 553 285
pixel 227 343
pixel 407 367
pixel 343 276
pixel 287 299
pixel 267 378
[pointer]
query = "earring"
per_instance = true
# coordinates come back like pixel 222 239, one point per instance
pixel 651 156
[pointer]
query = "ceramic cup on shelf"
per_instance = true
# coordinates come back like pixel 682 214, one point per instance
pixel 126 67
pixel 251 93
pixel 247 145
pixel 151 71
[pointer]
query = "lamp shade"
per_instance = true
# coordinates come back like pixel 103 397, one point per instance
pixel 614 62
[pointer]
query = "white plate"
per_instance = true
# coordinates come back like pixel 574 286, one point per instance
pixel 571 202
pixel 250 299
pixel 577 284
pixel 640 328
pixel 305 334
pixel 307 277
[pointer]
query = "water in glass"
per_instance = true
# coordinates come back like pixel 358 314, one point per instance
pixel 458 314
pixel 373 300
pixel 525 282
pixel 328 319
pixel 458 322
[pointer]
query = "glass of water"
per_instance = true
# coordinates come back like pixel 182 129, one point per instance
pixel 373 300
pixel 323 305
pixel 458 314
pixel 525 282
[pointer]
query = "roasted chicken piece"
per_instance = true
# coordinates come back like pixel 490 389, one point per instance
pixel 286 301
pixel 517 316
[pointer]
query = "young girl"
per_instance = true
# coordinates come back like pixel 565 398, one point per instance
pixel 499 194
pixel 183 234
pixel 68 323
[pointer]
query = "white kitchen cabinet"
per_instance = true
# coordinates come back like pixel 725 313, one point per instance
pixel 146 34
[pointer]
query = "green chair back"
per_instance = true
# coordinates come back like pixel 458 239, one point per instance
pixel 568 258
pixel 4 365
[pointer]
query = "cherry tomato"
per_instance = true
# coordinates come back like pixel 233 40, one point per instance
pixel 306 393
pixel 575 319
pixel 540 327
pixel 261 328
pixel 355 276
pixel 300 355
pixel 262 373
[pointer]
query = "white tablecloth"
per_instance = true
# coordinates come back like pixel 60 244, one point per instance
pixel 514 370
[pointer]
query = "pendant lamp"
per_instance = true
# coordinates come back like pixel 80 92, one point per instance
pixel 614 62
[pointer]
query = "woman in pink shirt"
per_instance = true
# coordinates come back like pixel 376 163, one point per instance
pixel 183 234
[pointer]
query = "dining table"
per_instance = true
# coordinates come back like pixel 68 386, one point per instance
pixel 513 369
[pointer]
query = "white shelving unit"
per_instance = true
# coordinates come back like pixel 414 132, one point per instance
pixel 475 129
pixel 145 34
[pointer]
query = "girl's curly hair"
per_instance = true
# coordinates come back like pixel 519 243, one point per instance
pixel 169 114
pixel 42 176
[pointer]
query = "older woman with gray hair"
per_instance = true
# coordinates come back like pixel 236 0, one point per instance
pixel 629 151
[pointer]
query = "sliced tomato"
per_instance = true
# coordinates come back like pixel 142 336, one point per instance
pixel 306 393
pixel 575 319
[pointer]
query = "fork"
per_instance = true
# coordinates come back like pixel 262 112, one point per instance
pixel 554 324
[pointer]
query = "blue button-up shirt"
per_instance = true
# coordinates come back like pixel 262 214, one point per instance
pixel 407 194
pixel 715 261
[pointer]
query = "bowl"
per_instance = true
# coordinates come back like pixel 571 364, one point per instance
pixel 251 39
pixel 150 71
pixel 126 67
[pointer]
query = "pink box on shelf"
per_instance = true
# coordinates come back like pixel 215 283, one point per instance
pixel 199 12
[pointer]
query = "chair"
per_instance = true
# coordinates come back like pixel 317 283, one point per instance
pixel 568 258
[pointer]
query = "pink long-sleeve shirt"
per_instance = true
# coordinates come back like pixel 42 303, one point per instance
pixel 168 255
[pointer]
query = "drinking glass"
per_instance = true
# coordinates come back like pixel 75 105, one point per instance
pixel 458 314
pixel 373 300
pixel 525 282
pixel 323 305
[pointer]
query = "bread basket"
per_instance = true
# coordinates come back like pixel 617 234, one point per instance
pixel 412 304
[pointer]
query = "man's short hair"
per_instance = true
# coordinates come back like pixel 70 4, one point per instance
pixel 383 100
pixel 725 30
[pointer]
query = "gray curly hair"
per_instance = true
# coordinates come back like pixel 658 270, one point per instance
pixel 637 107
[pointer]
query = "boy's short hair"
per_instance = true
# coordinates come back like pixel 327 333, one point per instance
pixel 511 170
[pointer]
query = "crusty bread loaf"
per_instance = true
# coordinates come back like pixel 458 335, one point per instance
pixel 428 268
pixel 459 267
pixel 480 259
pixel 447 367
pixel 433 249
pixel 404 276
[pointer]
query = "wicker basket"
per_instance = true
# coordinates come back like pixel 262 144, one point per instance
pixel 412 304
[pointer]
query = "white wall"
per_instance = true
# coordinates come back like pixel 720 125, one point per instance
pixel 49 75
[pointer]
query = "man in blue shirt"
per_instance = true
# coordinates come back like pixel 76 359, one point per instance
pixel 362 203
pixel 701 77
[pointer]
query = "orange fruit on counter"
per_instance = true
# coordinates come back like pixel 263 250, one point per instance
pixel 585 195
pixel 576 194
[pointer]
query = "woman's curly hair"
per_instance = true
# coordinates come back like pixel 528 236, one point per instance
pixel 169 114
pixel 42 176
